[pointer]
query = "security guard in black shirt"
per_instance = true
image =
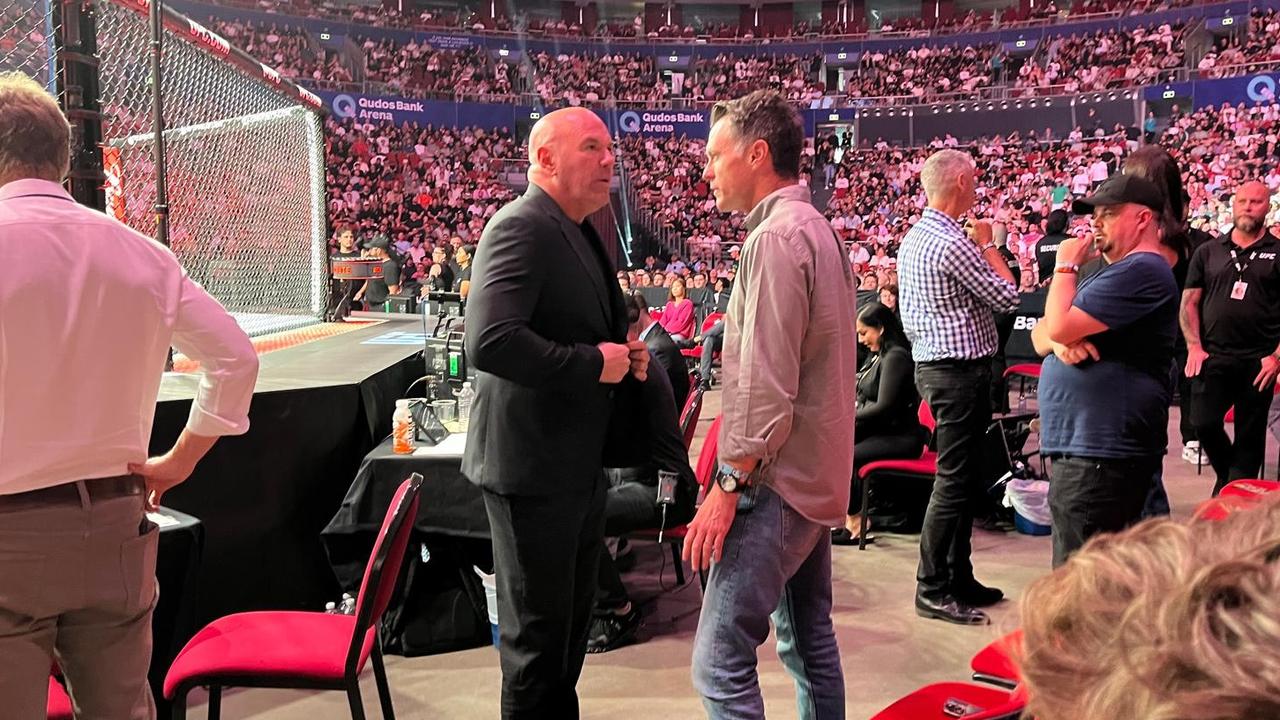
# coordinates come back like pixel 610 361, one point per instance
pixel 1231 319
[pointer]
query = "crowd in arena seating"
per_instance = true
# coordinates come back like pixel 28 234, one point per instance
pixel 285 48
pixel 728 75
pixel 420 186
pixel 23 42
pixel 580 79
pixel 1106 59
pixel 691 27
pixel 924 72
pixel 665 178
pixel 1102 60
pixel 1261 45
pixel 381 179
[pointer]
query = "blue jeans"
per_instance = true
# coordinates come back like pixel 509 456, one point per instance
pixel 776 566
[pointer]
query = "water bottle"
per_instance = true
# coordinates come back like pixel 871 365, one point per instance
pixel 465 397
pixel 402 429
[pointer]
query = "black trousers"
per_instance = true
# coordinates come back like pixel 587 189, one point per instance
pixel 546 551
pixel 1224 382
pixel 1186 428
pixel 869 449
pixel 959 394
pixel 1088 496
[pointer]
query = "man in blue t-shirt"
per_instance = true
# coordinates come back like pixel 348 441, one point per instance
pixel 1108 378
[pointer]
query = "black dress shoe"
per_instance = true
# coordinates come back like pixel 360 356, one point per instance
pixel 976 594
pixel 610 631
pixel 949 609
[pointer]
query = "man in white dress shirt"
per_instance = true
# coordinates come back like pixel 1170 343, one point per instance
pixel 88 311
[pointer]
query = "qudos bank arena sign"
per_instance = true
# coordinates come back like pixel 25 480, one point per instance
pixel 662 122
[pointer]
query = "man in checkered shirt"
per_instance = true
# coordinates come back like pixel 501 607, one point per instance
pixel 950 286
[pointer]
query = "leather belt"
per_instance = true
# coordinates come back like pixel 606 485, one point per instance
pixel 68 494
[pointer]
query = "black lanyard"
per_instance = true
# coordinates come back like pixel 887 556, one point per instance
pixel 1235 260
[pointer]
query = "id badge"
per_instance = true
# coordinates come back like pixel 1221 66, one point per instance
pixel 1239 289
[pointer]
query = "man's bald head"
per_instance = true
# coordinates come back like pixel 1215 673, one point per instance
pixel 549 132
pixel 571 159
pixel 1249 207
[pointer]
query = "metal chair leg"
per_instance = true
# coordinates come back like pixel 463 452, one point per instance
pixel 380 678
pixel 353 699
pixel 863 522
pixel 178 708
pixel 215 702
pixel 675 558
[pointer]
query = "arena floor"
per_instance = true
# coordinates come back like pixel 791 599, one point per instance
pixel 887 650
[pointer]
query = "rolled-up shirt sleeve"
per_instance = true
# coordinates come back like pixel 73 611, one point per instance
pixel 774 277
pixel 205 332
pixel 975 273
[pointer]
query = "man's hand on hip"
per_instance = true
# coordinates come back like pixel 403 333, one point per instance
pixel 704 543
pixel 160 474
pixel 617 362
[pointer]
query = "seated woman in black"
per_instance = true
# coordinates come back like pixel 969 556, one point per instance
pixel 887 426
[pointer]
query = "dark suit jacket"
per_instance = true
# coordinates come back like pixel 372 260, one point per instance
pixel 664 350
pixel 542 297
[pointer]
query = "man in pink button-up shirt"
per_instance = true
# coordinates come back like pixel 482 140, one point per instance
pixel 88 311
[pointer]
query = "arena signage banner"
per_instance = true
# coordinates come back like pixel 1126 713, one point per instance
pixel 1248 89
pixel 399 110
pixel 658 122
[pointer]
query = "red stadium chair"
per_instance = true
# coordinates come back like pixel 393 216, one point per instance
pixel 920 469
pixel 1220 508
pixel 963 700
pixel 690 415
pixel 1023 372
pixel 303 650
pixel 695 353
pixel 994 663
pixel 704 472
pixel 1251 489
pixel 59 705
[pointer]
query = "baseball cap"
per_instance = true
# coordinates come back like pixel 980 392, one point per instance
pixel 379 241
pixel 1120 189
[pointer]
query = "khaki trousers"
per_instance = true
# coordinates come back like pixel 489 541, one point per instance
pixel 77 585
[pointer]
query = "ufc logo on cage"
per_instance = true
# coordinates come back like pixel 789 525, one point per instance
pixel 1023 322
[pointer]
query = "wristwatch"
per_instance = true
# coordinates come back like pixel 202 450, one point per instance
pixel 729 478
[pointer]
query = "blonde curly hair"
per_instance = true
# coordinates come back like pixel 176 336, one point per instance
pixel 1164 621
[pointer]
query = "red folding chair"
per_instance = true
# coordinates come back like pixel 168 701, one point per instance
pixel 303 650
pixel 1023 372
pixel 690 415
pixel 1221 507
pixel 695 353
pixel 704 472
pixel 994 664
pixel 921 469
pixel 59 704
pixel 948 700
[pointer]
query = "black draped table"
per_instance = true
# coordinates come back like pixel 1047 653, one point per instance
pixel 177 568
pixel 441 605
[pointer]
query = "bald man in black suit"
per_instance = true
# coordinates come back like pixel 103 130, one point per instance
pixel 546 329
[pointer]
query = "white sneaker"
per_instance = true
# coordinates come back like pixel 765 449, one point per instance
pixel 1191 453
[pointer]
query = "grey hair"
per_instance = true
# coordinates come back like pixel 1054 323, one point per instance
pixel 766 115
pixel 35 138
pixel 940 171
